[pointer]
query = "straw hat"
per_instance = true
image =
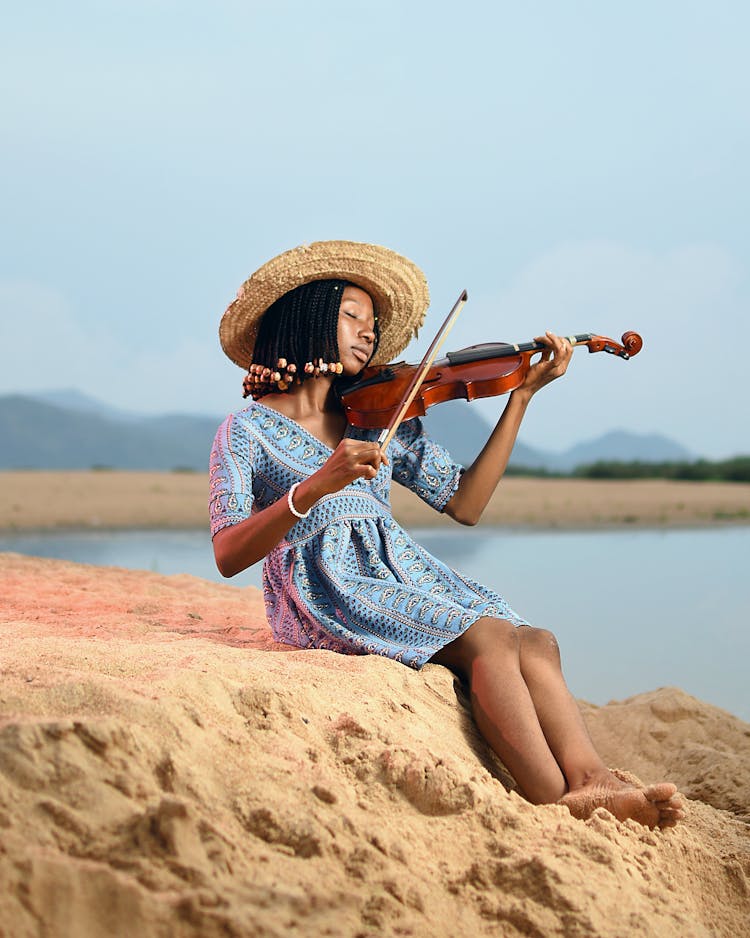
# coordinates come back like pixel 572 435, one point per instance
pixel 397 286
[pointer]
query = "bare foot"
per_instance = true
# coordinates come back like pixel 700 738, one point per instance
pixel 653 806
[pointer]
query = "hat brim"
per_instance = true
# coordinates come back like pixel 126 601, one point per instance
pixel 398 289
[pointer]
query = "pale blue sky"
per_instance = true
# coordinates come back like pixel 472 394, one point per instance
pixel 577 166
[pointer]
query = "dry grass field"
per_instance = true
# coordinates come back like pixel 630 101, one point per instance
pixel 36 500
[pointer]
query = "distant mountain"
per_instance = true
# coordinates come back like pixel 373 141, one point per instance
pixel 461 429
pixel 73 399
pixel 36 433
pixel 624 446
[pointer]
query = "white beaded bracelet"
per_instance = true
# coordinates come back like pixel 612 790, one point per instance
pixel 289 497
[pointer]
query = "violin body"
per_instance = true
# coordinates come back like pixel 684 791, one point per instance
pixel 487 370
pixel 370 403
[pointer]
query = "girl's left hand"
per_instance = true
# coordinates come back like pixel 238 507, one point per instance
pixel 553 363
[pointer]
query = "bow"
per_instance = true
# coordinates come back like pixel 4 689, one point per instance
pixel 421 373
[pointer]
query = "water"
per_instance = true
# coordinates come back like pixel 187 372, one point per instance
pixel 632 611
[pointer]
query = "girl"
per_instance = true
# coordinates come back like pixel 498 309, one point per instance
pixel 293 483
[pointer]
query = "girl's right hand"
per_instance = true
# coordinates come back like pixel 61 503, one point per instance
pixel 352 459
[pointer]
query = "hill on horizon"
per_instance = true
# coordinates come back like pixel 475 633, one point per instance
pixel 38 435
pixel 463 431
pixel 70 430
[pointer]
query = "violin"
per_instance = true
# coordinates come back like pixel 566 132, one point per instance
pixel 486 370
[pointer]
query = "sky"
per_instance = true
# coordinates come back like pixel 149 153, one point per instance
pixel 579 167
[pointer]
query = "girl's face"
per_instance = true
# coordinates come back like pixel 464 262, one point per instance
pixel 356 331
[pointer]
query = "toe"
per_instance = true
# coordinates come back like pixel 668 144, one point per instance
pixel 670 814
pixel 662 791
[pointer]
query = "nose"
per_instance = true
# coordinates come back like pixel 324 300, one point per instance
pixel 368 333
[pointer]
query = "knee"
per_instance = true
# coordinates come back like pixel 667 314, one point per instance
pixel 489 638
pixel 539 643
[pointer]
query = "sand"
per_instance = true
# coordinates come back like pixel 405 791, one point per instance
pixel 57 500
pixel 167 770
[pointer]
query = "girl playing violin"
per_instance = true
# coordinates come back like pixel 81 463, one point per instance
pixel 294 483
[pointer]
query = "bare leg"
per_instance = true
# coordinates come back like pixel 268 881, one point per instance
pixel 526 713
pixel 558 713
pixel 590 783
pixel 487 656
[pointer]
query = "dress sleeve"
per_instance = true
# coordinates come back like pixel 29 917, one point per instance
pixel 424 466
pixel 230 475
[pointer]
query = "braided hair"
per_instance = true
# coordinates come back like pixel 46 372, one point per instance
pixel 299 328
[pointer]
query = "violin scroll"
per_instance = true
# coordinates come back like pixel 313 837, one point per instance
pixel 632 343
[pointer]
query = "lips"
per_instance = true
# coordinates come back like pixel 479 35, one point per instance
pixel 362 354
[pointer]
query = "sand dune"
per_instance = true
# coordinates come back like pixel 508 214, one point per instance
pixel 167 770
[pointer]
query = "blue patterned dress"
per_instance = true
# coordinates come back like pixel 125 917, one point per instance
pixel 348 578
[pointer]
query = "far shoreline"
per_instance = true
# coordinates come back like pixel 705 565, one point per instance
pixel 39 501
pixel 447 528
